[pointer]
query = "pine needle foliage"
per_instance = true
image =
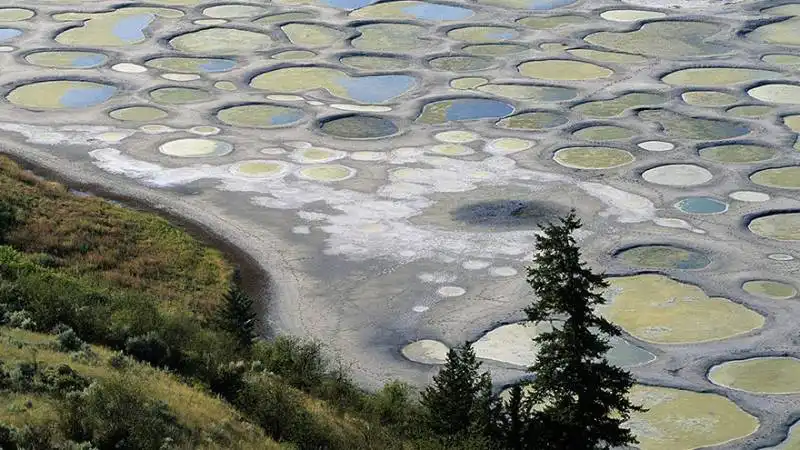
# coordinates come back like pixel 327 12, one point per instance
pixel 578 400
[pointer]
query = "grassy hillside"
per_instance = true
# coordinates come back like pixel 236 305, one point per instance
pixel 204 420
pixel 110 246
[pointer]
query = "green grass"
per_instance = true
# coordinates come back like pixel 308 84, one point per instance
pixel 112 246
pixel 212 423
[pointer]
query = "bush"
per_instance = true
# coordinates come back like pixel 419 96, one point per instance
pixel 68 340
pixel 301 363
pixel 115 413
pixel 280 413
pixel 394 406
pixel 150 348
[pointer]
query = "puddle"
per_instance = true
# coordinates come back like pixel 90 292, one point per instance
pixel 533 121
pixel 779 226
pixel 365 89
pixel 717 76
pixel 616 106
pixel 593 157
pixel 122 27
pixel 460 63
pixel 493 49
pixel 686 127
pixel 604 133
pixel 179 95
pixel 463 109
pixel 67 59
pixel 261 115
pixel 483 34
pixel 677 175
pixel 701 205
pixel 195 148
pixel 676 419
pixel 607 57
pixel 311 35
pixel 630 15
pixel 563 70
pixel 192 65
pixel 221 41
pixel 61 94
pixel 766 375
pixel 359 127
pixel 412 9
pixel 138 114
pixel 779 177
pixel 666 39
pixel 784 94
pixel 398 37
pixel 709 99
pixel 15 14
pixel 664 257
pixel 737 153
pixel 233 11
pixel 775 290
pixel 660 310
pixel 529 92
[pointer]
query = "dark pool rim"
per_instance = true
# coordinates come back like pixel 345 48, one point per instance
pixel 616 255
pixel 320 123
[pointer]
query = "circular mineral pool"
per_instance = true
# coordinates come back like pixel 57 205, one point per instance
pixel 138 113
pixel 221 41
pixel 679 419
pixel 15 14
pixel 660 310
pixel 467 83
pixel 664 257
pixel 316 155
pixel 506 146
pixel 534 121
pixel 426 351
pixel 710 99
pixel 456 136
pixel 60 94
pixel 326 172
pixel 717 76
pixel 778 226
pixel 678 175
pixel 766 375
pixel 737 153
pixel 260 115
pixel 565 70
pixel 260 168
pixel 493 49
pixel 630 15
pixel 749 196
pixel 593 157
pixel 459 109
pixel 603 133
pixel 779 177
pixel 179 95
pixel 67 59
pixel 701 205
pixel 656 146
pixel 483 34
pixel 452 150
pixel 771 289
pixel 780 93
pixel 192 65
pixel 359 127
pixel 233 11
pixel 460 63
pixel 749 111
pixel 195 148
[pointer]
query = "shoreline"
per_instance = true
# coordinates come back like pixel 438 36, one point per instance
pixel 256 279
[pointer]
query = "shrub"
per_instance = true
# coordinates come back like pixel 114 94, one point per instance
pixel 301 363
pixel 62 380
pixel 394 406
pixel 115 413
pixel 68 340
pixel 150 348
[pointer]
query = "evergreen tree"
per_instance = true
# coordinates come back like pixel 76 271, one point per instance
pixel 459 403
pixel 237 317
pixel 578 400
pixel 513 420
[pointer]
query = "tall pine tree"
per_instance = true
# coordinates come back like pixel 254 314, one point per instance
pixel 459 404
pixel 578 400
pixel 237 317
